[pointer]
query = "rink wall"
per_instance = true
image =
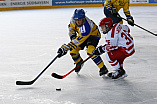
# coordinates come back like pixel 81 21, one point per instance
pixel 6 5
pixel 143 2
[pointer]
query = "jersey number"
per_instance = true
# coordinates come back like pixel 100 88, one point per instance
pixel 129 40
pixel 127 37
pixel 82 29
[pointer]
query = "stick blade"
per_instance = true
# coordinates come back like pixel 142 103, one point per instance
pixel 56 76
pixel 24 83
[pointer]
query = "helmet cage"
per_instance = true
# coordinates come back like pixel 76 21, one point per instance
pixel 83 22
pixel 107 22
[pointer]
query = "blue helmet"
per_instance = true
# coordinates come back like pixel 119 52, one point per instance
pixel 79 14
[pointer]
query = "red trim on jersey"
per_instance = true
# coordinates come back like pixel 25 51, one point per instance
pixel 113 29
pixel 132 46
pixel 109 48
pixel 115 63
pixel 129 48
pixel 131 53
pixel 110 61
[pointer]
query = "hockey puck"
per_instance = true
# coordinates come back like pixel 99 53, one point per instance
pixel 58 89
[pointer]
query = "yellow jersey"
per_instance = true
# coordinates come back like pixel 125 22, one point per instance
pixel 118 4
pixel 87 30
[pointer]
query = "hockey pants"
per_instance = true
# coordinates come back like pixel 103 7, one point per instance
pixel 117 57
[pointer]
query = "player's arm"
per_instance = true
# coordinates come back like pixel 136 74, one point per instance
pixel 88 29
pixel 105 48
pixel 111 42
pixel 126 10
pixel 109 6
pixel 72 31
pixel 72 34
pixel 73 44
pixel 78 40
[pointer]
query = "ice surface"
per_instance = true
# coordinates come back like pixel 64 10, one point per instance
pixel 29 40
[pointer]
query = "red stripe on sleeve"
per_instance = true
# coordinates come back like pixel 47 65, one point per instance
pixel 113 30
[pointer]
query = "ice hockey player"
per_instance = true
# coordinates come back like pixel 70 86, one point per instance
pixel 119 45
pixel 83 32
pixel 111 8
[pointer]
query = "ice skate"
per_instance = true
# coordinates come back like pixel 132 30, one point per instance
pixel 103 71
pixel 79 68
pixel 118 74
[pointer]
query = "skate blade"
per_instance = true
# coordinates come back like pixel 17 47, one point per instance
pixel 105 76
pixel 77 73
pixel 122 77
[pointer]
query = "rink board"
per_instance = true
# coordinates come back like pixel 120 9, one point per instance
pixel 6 5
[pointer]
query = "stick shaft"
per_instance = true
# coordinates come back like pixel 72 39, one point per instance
pixel 31 82
pixel 141 27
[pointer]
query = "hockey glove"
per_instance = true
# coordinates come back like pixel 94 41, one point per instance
pixel 63 50
pixel 130 21
pixel 98 51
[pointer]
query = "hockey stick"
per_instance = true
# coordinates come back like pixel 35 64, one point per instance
pixel 31 82
pixel 140 27
pixel 63 76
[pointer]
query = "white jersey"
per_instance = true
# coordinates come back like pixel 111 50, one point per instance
pixel 119 36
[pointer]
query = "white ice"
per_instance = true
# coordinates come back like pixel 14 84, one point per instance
pixel 29 40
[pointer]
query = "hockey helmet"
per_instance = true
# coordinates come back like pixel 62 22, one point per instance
pixel 107 22
pixel 79 14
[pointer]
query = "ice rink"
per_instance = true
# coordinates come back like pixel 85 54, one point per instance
pixel 29 40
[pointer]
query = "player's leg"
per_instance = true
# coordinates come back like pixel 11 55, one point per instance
pixel 91 44
pixel 97 60
pixel 116 58
pixel 76 58
pixel 115 19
